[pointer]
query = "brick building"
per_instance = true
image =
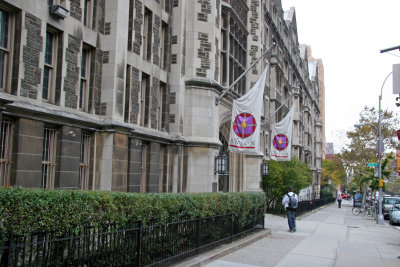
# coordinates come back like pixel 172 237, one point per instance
pixel 120 94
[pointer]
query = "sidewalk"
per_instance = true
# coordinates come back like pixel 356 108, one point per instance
pixel 327 237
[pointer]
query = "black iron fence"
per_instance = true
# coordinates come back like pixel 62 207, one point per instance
pixel 155 245
pixel 309 205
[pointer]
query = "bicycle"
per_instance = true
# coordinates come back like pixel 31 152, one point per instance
pixel 356 210
pixel 368 209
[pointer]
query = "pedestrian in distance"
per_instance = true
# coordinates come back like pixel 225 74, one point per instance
pixel 290 201
pixel 339 200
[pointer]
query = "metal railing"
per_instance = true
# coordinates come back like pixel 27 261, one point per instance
pixel 140 245
pixel 308 205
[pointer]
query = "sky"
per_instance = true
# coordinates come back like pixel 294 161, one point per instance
pixel 348 36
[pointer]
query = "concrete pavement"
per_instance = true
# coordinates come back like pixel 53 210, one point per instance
pixel 327 237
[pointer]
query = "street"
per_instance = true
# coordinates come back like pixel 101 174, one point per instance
pixel 327 237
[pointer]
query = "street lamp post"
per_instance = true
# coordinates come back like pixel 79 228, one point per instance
pixel 379 218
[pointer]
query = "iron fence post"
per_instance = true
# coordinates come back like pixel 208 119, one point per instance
pixel 263 218
pixel 231 227
pixel 253 222
pixel 198 235
pixel 9 250
pixel 139 245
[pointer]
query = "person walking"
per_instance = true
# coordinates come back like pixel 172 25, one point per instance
pixel 339 200
pixel 290 201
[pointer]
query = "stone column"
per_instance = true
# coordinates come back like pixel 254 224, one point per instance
pixel 68 158
pixel 119 162
pixel 27 153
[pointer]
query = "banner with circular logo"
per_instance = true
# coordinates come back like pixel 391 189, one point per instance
pixel 281 138
pixel 245 123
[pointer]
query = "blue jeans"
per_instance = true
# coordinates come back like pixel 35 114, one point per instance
pixel 291 215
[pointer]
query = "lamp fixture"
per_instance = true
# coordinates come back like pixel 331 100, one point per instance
pixel 264 168
pixel 221 163
pixel 59 11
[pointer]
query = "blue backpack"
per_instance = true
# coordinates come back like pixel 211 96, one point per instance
pixel 292 201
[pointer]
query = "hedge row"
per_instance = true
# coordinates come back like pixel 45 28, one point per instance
pixel 26 211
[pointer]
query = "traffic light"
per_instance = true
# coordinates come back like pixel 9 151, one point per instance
pixel 398 164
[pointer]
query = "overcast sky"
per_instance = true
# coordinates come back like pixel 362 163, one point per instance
pixel 348 36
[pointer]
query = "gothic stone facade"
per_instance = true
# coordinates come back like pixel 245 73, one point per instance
pixel 120 94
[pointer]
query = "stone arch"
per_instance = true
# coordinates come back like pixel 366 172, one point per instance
pixel 224 180
pixel 226 116
pixel 224 130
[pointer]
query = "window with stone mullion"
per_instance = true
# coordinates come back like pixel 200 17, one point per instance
pixel 88 13
pixel 86 73
pixel 237 50
pixel 145 100
pixel 161 109
pixel 147 34
pixel 164 46
pixel 130 25
pixel 6 151
pixel 128 87
pixel 49 157
pixel 84 167
pixel 4 47
pixel 48 65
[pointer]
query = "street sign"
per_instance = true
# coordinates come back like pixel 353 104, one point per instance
pixel 396 79
pixel 372 164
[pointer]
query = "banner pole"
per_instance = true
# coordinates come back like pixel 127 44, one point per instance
pixel 242 75
pixel 287 99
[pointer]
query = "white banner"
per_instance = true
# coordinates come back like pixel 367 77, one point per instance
pixel 246 115
pixel 281 138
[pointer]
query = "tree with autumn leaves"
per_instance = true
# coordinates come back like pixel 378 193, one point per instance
pixel 333 176
pixel 362 148
pixel 352 160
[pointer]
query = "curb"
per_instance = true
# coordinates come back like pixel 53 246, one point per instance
pixel 223 250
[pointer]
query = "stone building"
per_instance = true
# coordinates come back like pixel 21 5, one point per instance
pixel 318 64
pixel 121 94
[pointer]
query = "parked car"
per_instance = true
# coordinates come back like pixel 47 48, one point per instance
pixel 394 214
pixel 387 205
pixel 346 196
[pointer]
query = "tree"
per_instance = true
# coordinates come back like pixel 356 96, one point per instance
pixel 362 147
pixel 363 141
pixel 333 172
pixel 281 175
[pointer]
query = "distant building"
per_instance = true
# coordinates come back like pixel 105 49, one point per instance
pixel 317 63
pixel 120 95
pixel 329 151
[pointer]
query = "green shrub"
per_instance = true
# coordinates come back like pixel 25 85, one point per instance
pixel 327 192
pixel 281 175
pixel 26 211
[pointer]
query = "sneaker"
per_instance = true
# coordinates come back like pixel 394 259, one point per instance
pixel 291 230
pixel 294 230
